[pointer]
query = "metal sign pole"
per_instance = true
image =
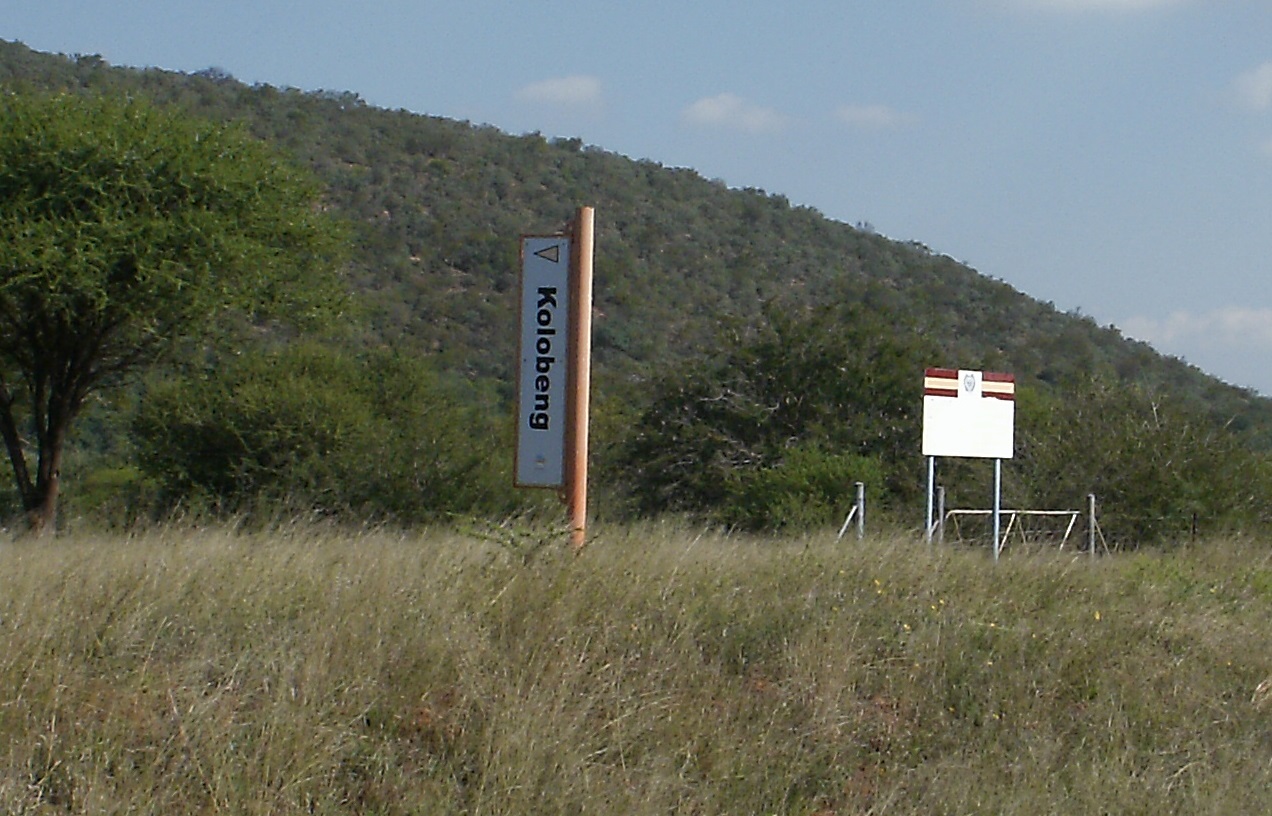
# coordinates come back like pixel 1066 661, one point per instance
pixel 998 504
pixel 931 481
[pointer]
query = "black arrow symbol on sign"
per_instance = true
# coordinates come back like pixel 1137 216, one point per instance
pixel 552 253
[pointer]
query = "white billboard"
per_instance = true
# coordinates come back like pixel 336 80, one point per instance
pixel 544 361
pixel 969 413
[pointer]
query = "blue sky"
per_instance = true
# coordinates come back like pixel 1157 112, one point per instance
pixel 1108 156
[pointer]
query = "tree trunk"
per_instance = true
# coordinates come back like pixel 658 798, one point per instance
pixel 42 505
pixel 40 495
pixel 42 509
pixel 13 446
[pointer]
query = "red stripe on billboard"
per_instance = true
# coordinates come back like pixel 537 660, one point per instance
pixel 996 385
pixel 940 382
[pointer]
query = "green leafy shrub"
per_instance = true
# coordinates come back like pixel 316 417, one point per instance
pixel 1160 470
pixel 309 427
pixel 775 432
pixel 809 488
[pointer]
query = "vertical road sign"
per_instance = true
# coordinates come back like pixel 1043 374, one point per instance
pixel 554 366
pixel 544 361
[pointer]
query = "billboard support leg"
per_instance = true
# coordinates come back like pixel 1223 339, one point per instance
pixel 998 505
pixel 931 482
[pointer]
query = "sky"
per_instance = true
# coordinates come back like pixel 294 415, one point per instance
pixel 1111 157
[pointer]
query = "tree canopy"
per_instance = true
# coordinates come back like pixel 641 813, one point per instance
pixel 775 431
pixel 307 427
pixel 124 229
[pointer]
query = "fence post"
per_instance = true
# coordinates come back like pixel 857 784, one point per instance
pixel 1091 524
pixel 861 510
pixel 940 514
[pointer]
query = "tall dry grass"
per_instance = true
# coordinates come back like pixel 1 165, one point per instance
pixel 662 671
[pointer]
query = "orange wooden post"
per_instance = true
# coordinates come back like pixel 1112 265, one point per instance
pixel 581 376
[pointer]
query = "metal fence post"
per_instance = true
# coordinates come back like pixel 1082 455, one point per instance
pixel 1091 524
pixel 940 514
pixel 861 510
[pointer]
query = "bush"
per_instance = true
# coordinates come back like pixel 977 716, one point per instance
pixel 809 488
pixel 1159 470
pixel 774 433
pixel 308 427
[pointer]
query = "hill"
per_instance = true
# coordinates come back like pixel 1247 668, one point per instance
pixel 752 358
pixel 439 204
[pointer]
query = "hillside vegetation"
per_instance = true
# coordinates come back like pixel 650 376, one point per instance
pixel 692 279
pixel 664 670
pixel 440 203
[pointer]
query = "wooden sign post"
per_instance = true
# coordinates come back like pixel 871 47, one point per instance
pixel 580 375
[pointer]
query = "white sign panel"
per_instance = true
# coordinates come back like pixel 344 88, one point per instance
pixel 544 363
pixel 969 414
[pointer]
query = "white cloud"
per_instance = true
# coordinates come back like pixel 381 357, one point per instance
pixel 1254 87
pixel 571 91
pixel 1234 327
pixel 1232 343
pixel 873 117
pixel 729 110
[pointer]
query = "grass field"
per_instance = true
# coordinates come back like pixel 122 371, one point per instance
pixel 663 670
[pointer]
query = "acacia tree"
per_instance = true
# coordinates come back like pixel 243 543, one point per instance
pixel 124 230
pixel 801 402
